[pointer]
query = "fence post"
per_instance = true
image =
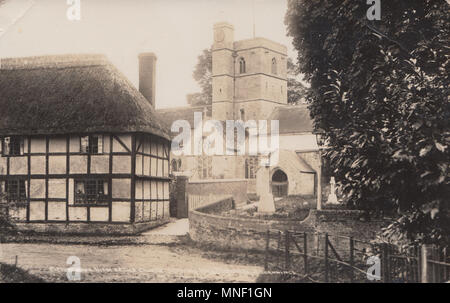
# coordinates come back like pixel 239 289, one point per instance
pixel 424 268
pixel 351 258
pixel 386 259
pixel 266 258
pixel 427 269
pixel 305 252
pixel 279 250
pixel 287 262
pixel 444 259
pixel 326 256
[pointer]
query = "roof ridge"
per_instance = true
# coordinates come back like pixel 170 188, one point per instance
pixel 53 61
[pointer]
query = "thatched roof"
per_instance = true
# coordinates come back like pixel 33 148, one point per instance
pixel 71 94
pixel 293 119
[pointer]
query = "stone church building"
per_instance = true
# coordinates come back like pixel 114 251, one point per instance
pixel 249 82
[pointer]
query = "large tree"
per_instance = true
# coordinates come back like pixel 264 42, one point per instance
pixel 296 91
pixel 380 91
pixel 203 75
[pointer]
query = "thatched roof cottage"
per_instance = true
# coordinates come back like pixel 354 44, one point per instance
pixel 82 150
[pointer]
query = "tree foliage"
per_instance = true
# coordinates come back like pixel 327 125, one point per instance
pixel 203 75
pixel 296 91
pixel 380 91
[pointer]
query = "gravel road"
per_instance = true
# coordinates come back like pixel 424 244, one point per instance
pixel 128 263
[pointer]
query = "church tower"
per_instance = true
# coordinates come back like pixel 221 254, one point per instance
pixel 249 76
pixel 223 57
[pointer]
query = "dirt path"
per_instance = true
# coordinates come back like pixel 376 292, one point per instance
pixel 141 263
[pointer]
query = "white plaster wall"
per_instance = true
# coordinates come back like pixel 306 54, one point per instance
pixel 37 188
pixel 74 144
pixel 57 144
pixel 37 165
pixel 18 165
pixel 121 211
pixel 57 188
pixel 121 164
pixel 3 165
pixel 38 145
pixel 100 164
pixel 77 213
pixel 37 211
pixel 57 211
pixel 99 214
pixel 78 164
pixel 57 164
pixel 121 188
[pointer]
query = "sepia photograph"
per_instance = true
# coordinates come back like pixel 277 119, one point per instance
pixel 251 143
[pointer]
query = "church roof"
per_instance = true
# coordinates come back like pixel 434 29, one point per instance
pixel 71 94
pixel 293 119
pixel 170 115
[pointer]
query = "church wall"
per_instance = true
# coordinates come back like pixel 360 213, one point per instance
pixel 222 88
pixel 222 63
pixel 260 42
pixel 300 142
pixel 273 89
pixel 222 111
pixel 256 110
pixel 298 183
pixel 312 158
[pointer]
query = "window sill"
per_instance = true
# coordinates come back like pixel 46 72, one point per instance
pixel 89 205
pixel 85 154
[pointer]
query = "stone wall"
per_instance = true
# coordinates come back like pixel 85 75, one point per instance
pixel 89 228
pixel 235 187
pixel 207 226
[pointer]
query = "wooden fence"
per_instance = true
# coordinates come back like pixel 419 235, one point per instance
pixel 321 257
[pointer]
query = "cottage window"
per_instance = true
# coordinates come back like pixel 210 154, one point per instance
pixel 12 146
pixel 16 190
pixel 92 144
pixel 92 191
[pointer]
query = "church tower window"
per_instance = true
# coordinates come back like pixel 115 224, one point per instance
pixel 242 69
pixel 274 66
pixel 242 114
pixel 204 167
pixel 251 166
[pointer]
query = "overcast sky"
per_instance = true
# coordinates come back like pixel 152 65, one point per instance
pixel 176 30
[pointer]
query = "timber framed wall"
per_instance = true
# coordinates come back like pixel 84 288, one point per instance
pixel 133 166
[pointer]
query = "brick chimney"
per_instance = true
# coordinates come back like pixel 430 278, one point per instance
pixel 147 73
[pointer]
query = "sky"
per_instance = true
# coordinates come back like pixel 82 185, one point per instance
pixel 175 30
